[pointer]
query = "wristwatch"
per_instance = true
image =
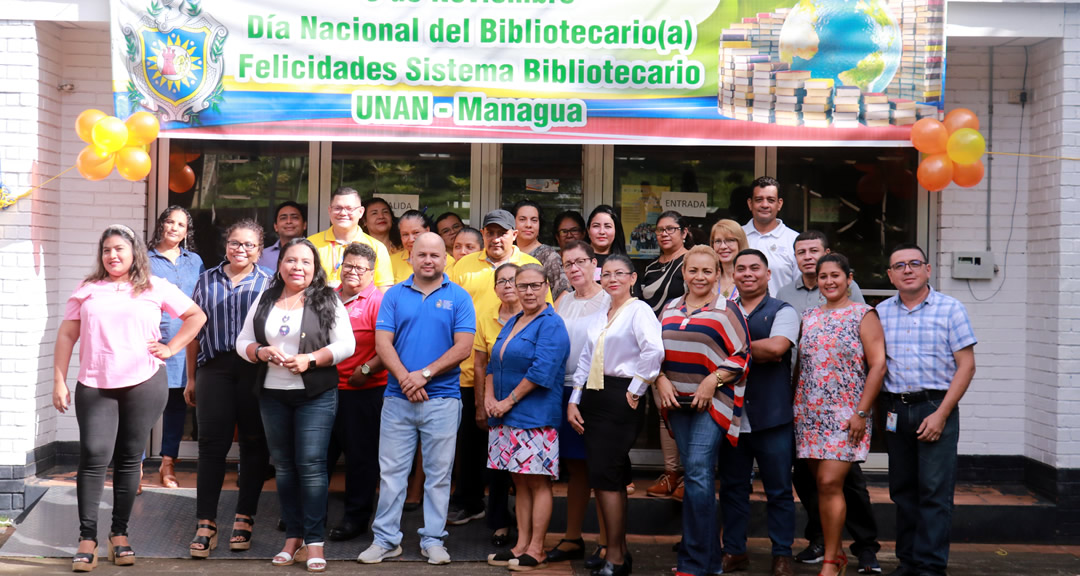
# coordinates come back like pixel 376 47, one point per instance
pixel 311 361
pixel 365 369
pixel 426 374
pixel 861 414
pixel 635 397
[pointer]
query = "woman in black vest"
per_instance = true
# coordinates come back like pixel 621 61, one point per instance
pixel 296 332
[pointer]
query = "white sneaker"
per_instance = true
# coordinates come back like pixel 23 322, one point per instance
pixel 375 554
pixel 436 555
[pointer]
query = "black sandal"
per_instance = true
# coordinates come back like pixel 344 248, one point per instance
pixel 597 559
pixel 501 558
pixel 244 544
pixel 85 561
pixel 525 563
pixel 557 554
pixel 120 555
pixel 208 543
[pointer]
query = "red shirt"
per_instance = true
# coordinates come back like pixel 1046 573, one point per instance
pixel 363 312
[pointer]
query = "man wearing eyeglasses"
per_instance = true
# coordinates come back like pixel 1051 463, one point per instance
pixel 769 234
pixel 930 354
pixel 345 213
pixel 361 384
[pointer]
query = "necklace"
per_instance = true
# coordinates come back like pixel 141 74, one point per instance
pixel 284 330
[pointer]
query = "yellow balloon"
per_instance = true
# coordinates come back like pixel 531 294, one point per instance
pixel 965 146
pixel 84 124
pixel 142 128
pixel 133 163
pixel 110 134
pixel 93 165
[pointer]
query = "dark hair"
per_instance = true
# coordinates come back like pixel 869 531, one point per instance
pixel 446 215
pixel 573 215
pixel 765 182
pixel 812 235
pixel 344 191
pixel 139 273
pixel 683 222
pixel 188 243
pixel 583 245
pixel 246 224
pixel 395 234
pixel 907 246
pixel 504 266
pixel 361 250
pixel 476 234
pixel 322 298
pixel 751 252
pixel 416 215
pixel 836 258
pixel 618 246
pixel 622 259
pixel 290 204
pixel 523 203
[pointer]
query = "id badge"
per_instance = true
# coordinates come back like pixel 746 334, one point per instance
pixel 890 422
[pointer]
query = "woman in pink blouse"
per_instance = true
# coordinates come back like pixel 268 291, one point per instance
pixel 115 316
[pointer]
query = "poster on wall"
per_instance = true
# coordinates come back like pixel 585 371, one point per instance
pixel 641 208
pixel 753 72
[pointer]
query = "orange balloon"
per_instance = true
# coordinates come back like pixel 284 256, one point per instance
pixel 968 175
pixel 935 172
pixel 182 180
pixel 192 156
pixel 902 184
pixel 142 128
pixel 871 188
pixel 929 136
pixel 94 164
pixel 84 124
pixel 961 118
pixel 133 163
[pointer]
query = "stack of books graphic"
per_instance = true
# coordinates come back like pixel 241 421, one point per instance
pixel 731 46
pixel 875 109
pixel 847 103
pixel 790 91
pixel 817 105
pixel 926 111
pixel 764 86
pixel 896 8
pixel 923 57
pixel 902 111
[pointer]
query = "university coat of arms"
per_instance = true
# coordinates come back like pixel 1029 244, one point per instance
pixel 174 56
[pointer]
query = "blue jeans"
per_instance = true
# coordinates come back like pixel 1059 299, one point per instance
pixel 172 423
pixel 922 479
pixel 298 432
pixel 435 423
pixel 774 450
pixel 698 438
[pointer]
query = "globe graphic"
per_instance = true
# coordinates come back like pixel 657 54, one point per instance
pixel 853 42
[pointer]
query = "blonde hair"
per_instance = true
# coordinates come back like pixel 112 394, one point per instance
pixel 732 228
pixel 704 251
pixel 139 273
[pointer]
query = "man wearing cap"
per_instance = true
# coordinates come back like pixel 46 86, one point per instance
pixel 346 210
pixel 476 274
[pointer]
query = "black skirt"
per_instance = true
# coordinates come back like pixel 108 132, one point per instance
pixel 611 428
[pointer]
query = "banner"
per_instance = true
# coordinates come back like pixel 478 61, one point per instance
pixel 574 71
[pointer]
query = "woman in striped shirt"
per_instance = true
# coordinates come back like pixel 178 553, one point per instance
pixel 706 353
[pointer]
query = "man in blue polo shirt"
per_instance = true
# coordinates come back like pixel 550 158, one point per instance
pixel 425 329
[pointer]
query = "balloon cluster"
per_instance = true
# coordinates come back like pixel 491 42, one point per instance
pixel 181 176
pixel 114 142
pixel 952 150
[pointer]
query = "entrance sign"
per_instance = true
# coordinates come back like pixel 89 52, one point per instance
pixel 573 71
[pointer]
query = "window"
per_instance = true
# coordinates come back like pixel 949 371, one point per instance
pixel 548 174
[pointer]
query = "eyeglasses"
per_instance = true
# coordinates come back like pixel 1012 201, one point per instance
pixel 346 268
pixel 247 246
pixel 531 286
pixel 570 231
pixel 344 209
pixel 580 262
pixel 504 282
pixel 913 264
pixel 723 241
pixel 618 275
pixel 668 231
pixel 452 229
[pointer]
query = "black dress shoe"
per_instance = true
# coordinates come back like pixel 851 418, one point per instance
pixel 596 559
pixel 347 531
pixel 557 554
pixel 609 569
pixel 500 540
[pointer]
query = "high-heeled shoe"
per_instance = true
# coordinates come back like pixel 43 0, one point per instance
pixel 208 543
pixel 85 561
pixel 167 472
pixel 283 558
pixel 120 555
pixel 245 535
pixel 315 563
pixel 596 559
pixel 840 562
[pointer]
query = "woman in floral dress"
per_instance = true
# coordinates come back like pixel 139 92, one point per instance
pixel 841 368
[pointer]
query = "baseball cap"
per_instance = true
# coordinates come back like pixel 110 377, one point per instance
pixel 499 218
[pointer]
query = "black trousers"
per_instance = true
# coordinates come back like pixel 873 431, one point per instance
pixel 224 393
pixel 860 521
pixel 471 458
pixel 114 423
pixel 356 435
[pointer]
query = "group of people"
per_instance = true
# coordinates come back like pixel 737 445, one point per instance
pixel 408 346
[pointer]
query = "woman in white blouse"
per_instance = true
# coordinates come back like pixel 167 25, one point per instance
pixel 621 358
pixel 296 332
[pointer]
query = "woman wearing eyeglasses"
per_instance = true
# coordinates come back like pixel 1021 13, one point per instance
pixel 295 334
pixel 523 399
pixel 620 359
pixel 569 227
pixel 727 240
pixel 220 386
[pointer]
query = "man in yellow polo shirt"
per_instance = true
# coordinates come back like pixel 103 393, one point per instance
pixel 476 274
pixel 345 213
pixel 411 225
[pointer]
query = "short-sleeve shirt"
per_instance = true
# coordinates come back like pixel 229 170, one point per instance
pixel 778 245
pixel 332 252
pixel 114 328
pixel 920 343
pixel 537 353
pixel 226 306
pixel 424 329
pixel 363 309
pixel 183 274
pixel 399 262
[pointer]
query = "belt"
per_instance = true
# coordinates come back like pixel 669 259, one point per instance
pixel 916 397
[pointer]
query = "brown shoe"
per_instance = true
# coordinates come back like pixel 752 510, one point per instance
pixel 664 485
pixel 680 490
pixel 167 472
pixel 781 566
pixel 736 562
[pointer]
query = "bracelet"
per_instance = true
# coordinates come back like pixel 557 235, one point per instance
pixel 513 398
pixel 257 350
pixel 719 380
